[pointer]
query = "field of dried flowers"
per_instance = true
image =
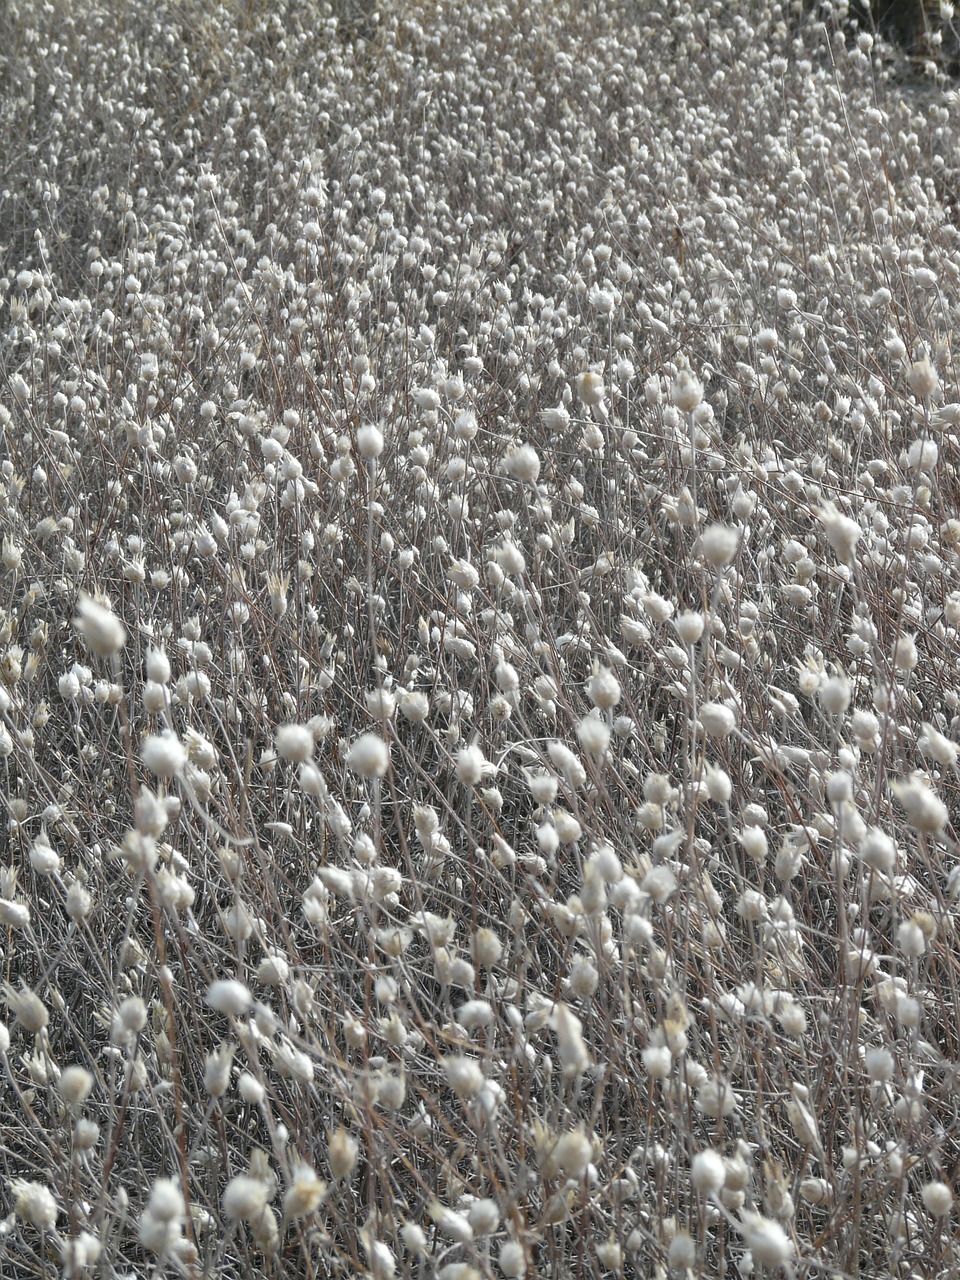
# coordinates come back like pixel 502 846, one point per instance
pixel 479 674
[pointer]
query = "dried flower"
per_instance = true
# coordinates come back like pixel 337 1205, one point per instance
pixel 34 1203
pixel 369 756
pixel 102 630
pixel 294 742
pixel 164 755
pixel 245 1198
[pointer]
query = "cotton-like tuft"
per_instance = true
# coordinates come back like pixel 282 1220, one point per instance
pixel 369 756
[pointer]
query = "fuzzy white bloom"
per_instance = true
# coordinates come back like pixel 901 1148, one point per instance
pixel 20 388
pixel 100 627
pixel 465 426
pixel 34 1202
pixel 487 948
pixel 166 1203
pixel 555 419
pixel 369 441
pixel 464 1076
pixel 475 1013
pixel 937 746
pixel 689 627
pixel 484 1216
pixel 414 706
pixel 718 545
pixel 75 1085
pixel 571 1048
pixel 312 781
pixel 158 666
pixel 216 1069
pixel 938 1198
pixel 44 860
pixel 305 1192
pixel 342 1152
pixel 463 575
pixel 834 695
pixel 879 1064
pixel 717 719
pixel 603 689
pixel 29 1010
pixel 570 1155
pixel 923 455
pixel 250 1089
pixel 657 1061
pixel 469 766
pixel 707 1172
pixel 593 735
pixel 79 1252
pixel 452 1224
pixel 369 756
pixel 905 653
pixel 682 1254
pixel 716 1098
pixel 512 1260
pixel 686 391
pixel 245 1198
pixel 567 764
pixel 590 389
pixel 294 742
pixel 164 755
pixel 229 996
pixel 926 812
pixel 878 851
pixel 910 939
pixel 522 463
pixel 767 1241
pixel 922 379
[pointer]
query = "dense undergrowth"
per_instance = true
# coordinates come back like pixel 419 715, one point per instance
pixel 478 656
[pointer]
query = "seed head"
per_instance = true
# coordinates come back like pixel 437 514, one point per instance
pixel 294 742
pixel 766 1240
pixel 102 630
pixel 369 756
pixel 245 1198
pixel 33 1202
pixel 164 755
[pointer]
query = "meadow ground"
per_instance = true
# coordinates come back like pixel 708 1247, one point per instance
pixel 479 686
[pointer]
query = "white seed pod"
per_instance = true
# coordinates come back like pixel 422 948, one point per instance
pixel 34 1202
pixel 512 1260
pixel 230 997
pixel 590 389
pixel 294 742
pixel 767 1241
pixel 470 766
pixel 926 812
pixel 522 463
pixel 245 1198
pixel 707 1172
pixel 571 1048
pixel 686 392
pixel 841 532
pixel 717 719
pixel 938 1198
pixel 464 1076
pixel 100 627
pixel 166 1203
pixel 567 764
pixel 216 1070
pixel 369 441
pixel 163 755
pixel 718 545
pixel 342 1152
pixel 369 756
